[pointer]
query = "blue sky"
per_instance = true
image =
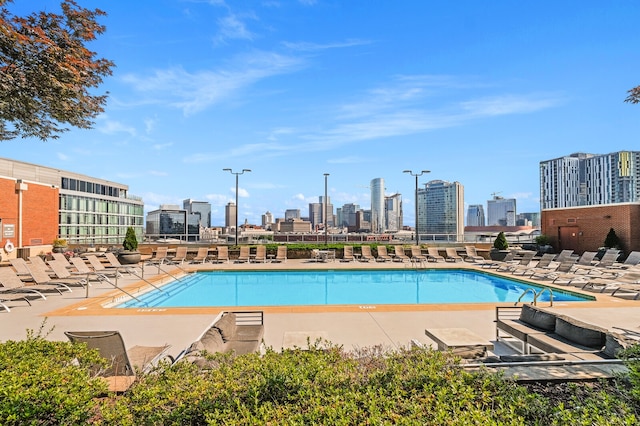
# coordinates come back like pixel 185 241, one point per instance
pixel 475 92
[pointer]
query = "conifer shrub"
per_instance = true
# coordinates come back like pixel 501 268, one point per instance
pixel 500 243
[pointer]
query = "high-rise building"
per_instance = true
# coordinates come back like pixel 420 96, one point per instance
pixel 230 215
pixel 267 220
pixel 475 215
pixel 348 215
pixel 202 209
pixel 441 210
pixel 583 179
pixel 377 205
pixel 327 208
pixel 393 212
pixel 315 214
pixel 292 214
pixel 501 211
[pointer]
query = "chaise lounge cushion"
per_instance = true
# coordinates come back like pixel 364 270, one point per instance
pixel 538 318
pixel 579 332
pixel 227 326
pixel 211 342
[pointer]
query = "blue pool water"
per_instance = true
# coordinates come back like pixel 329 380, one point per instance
pixel 298 288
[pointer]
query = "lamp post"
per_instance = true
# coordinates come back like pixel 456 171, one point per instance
pixel 326 217
pixel 416 198
pixel 237 174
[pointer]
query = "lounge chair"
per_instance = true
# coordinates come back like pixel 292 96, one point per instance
pixel 433 255
pixel 525 259
pixel 180 256
pixel 452 255
pixel 564 255
pixel 509 258
pixel 261 254
pixel 281 255
pixel 114 264
pixel 366 255
pixel 626 283
pixel 606 262
pixel 544 266
pixel 201 256
pixel 159 257
pixel 99 267
pixel 632 260
pixel 586 259
pixel 63 274
pixel 383 256
pixel 472 255
pixel 121 373
pixel 347 254
pixel 416 254
pixel 13 288
pixel 399 255
pixel 245 255
pixel 12 284
pixel 44 281
pixel 223 254
pixel 62 259
pixel 234 332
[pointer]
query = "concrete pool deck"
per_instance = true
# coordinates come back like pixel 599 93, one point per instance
pixel 391 326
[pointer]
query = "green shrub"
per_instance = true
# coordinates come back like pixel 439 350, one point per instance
pixel 612 240
pixel 500 243
pixel 41 384
pixel 130 242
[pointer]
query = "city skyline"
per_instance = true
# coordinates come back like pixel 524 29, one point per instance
pixel 475 93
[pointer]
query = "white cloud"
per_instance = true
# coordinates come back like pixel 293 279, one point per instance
pixel 194 91
pixel 63 157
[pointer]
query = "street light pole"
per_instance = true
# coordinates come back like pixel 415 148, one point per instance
pixel 237 174
pixel 416 198
pixel 326 218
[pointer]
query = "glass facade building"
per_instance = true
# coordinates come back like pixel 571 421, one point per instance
pixel 378 220
pixel 91 210
pixel 441 211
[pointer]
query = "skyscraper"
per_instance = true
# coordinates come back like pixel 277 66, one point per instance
pixel 326 209
pixel 292 214
pixel 393 212
pixel 441 210
pixel 377 205
pixel 501 211
pixel 475 215
pixel 230 215
pixel 583 179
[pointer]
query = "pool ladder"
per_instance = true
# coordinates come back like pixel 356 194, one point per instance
pixel 536 295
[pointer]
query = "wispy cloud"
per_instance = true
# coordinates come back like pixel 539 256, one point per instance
pixel 63 157
pixel 348 160
pixel 162 146
pixel 194 91
pixel 312 47
pixel 233 27
pixel 111 127
pixel 509 104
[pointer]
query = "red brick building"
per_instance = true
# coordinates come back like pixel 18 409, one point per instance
pixel 28 214
pixel 585 228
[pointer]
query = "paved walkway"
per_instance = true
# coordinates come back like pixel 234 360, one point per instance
pixel 351 326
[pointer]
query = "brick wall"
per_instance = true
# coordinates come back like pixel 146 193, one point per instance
pixel 591 225
pixel 40 207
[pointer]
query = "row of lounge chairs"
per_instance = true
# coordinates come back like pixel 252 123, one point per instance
pixel 36 278
pixel 220 255
pixel 586 272
pixel 414 255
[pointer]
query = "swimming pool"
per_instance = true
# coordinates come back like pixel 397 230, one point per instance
pixel 344 287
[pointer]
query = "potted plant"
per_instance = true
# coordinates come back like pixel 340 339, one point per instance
pixel 59 245
pixel 130 255
pixel 500 247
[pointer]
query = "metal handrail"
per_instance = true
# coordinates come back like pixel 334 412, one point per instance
pixel 535 295
pixel 535 298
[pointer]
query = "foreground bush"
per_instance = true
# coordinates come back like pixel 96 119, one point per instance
pixel 318 386
pixel 40 383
